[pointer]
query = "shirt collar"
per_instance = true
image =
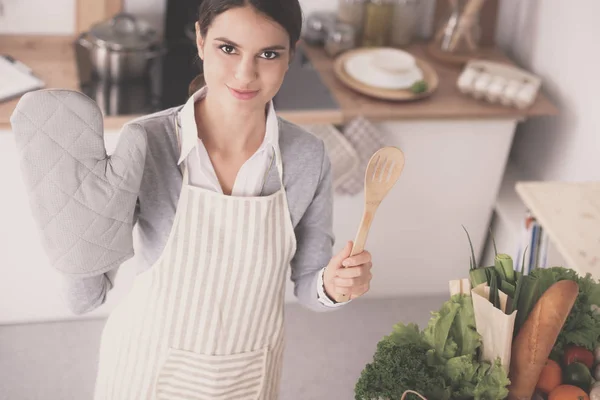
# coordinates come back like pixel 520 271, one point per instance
pixel 189 129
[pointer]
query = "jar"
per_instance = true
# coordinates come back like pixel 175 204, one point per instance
pixel 378 22
pixel 460 32
pixel 352 12
pixel 404 22
pixel 340 38
pixel 316 26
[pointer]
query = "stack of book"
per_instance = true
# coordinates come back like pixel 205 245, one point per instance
pixel 533 246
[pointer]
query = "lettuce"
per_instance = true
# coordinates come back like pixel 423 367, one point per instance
pixel 442 361
pixel 451 331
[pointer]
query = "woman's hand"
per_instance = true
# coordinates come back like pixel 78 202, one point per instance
pixel 348 275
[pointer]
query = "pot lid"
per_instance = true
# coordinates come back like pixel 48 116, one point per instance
pixel 124 32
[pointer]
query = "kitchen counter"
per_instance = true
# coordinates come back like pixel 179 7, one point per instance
pixel 53 60
pixel 445 103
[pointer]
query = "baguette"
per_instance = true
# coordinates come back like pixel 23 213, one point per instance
pixel 535 340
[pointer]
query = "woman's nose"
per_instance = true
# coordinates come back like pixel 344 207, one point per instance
pixel 246 71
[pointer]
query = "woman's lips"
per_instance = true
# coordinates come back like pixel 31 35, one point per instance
pixel 243 94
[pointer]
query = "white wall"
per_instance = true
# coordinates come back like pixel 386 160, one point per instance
pixel 58 16
pixel 38 17
pixel 557 39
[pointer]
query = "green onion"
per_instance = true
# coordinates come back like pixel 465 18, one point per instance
pixel 504 266
pixel 494 296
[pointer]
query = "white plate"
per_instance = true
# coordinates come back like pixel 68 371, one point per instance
pixel 369 69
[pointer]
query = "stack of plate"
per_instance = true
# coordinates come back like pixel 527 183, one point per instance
pixel 385 73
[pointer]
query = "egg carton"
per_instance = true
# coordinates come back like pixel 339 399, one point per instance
pixel 499 83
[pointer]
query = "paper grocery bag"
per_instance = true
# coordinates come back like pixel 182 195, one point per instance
pixel 494 325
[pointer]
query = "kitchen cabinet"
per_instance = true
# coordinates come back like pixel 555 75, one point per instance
pixel 451 178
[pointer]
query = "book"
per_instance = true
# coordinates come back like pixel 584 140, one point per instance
pixel 16 78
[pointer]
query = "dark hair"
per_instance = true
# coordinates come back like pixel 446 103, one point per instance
pixel 286 13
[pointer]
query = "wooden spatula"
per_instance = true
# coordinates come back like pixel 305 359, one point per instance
pixel 383 170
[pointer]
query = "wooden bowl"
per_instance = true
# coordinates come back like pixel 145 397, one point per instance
pixel 429 76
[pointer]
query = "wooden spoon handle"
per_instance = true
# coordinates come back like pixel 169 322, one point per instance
pixel 363 231
pixel 361 239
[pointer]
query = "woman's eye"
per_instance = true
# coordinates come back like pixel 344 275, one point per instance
pixel 227 49
pixel 270 55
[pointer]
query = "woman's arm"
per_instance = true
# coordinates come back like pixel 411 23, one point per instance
pixel 84 294
pixel 315 239
pixel 82 200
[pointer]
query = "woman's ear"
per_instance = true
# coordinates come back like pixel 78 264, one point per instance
pixel 199 42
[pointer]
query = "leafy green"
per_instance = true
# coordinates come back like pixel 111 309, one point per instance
pixel 441 362
pixel 492 382
pixel 419 87
pixel 582 326
pixel 405 334
pixel 437 332
pixel 469 379
pixel 395 369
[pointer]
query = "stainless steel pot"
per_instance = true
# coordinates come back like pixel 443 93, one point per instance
pixel 122 48
pixel 115 99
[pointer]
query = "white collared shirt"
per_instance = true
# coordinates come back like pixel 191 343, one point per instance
pixel 251 176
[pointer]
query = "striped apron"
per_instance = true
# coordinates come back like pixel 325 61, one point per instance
pixel 206 320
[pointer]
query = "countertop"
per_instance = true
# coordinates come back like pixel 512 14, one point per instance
pixel 53 60
pixel 570 214
pixel 446 102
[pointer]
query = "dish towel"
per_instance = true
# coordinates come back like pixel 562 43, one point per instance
pixel 366 139
pixel 343 156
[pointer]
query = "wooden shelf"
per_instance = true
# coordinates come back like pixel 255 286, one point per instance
pixel 570 214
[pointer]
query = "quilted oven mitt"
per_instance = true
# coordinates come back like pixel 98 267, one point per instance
pixel 82 200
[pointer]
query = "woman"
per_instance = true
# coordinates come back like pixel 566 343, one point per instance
pixel 231 196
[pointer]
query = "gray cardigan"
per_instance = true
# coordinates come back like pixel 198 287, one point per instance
pixel 308 184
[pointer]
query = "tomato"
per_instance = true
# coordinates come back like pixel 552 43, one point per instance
pixel 578 354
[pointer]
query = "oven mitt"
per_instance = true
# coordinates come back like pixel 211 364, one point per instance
pixel 82 200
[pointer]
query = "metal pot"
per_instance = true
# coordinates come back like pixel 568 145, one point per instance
pixel 115 99
pixel 121 48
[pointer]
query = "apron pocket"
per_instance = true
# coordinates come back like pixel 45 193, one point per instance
pixel 193 376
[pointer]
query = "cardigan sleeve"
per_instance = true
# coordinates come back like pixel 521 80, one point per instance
pixel 315 239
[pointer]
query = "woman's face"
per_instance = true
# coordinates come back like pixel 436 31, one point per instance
pixel 245 57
